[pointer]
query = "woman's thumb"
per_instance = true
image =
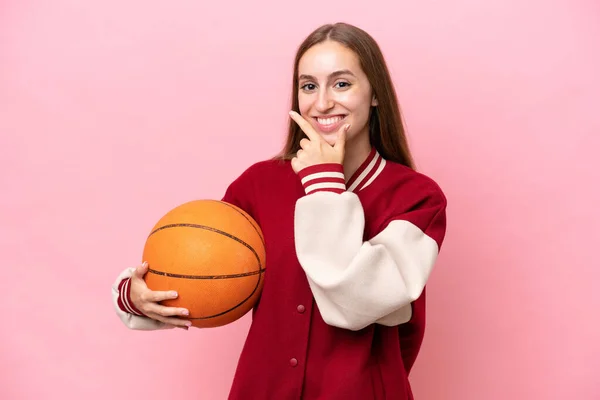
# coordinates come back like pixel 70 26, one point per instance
pixel 141 270
pixel 341 140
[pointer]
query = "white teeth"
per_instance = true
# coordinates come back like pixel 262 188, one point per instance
pixel 329 121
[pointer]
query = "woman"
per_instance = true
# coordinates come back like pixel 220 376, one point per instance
pixel 352 233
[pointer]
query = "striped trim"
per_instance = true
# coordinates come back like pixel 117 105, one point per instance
pixel 325 185
pixel 362 168
pixel 323 178
pixel 379 165
pixel 124 301
pixel 330 177
pixel 367 172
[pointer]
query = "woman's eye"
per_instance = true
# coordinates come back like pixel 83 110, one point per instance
pixel 312 86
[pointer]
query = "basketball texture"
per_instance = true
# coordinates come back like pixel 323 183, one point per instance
pixel 213 254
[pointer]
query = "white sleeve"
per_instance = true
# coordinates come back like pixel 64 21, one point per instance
pixel 356 283
pixel 127 315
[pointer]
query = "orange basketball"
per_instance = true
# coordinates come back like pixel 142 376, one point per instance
pixel 213 254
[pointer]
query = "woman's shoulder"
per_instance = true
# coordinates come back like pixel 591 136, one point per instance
pixel 266 168
pixel 407 182
pixel 410 195
pixel 263 171
pixel 255 182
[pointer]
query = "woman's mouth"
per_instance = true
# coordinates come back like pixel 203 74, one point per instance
pixel 330 123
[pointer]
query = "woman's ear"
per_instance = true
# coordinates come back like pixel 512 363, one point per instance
pixel 374 102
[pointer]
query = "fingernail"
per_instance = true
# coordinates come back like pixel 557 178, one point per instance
pixel 185 312
pixel 145 264
pixel 188 324
pixel 173 294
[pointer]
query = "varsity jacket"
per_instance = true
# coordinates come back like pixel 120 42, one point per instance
pixel 342 311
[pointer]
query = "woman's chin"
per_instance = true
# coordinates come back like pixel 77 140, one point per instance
pixel 330 138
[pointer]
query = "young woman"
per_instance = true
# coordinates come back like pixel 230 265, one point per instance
pixel 352 233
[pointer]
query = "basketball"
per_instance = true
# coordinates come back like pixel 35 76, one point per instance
pixel 213 254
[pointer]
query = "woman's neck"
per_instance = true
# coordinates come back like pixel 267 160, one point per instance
pixel 355 154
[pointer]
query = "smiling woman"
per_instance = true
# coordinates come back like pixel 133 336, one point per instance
pixel 331 94
pixel 352 234
pixel 340 71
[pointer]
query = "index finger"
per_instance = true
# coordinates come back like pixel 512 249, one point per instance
pixel 305 126
pixel 157 296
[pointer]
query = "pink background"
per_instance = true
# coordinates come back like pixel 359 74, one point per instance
pixel 113 112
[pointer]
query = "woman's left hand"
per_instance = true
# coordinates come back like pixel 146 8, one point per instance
pixel 315 150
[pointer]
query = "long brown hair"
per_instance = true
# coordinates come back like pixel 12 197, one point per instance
pixel 386 131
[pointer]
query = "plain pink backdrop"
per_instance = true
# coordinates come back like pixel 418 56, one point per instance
pixel 113 112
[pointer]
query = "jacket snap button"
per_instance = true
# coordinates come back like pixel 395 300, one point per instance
pixel 293 362
pixel 300 308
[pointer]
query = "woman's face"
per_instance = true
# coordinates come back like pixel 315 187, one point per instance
pixel 334 91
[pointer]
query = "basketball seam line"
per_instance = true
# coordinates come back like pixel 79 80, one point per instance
pixel 243 215
pixel 183 276
pixel 209 228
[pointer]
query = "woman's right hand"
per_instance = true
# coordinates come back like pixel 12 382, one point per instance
pixel 147 300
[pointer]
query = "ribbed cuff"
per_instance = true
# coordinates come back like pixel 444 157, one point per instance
pixel 124 301
pixel 323 178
